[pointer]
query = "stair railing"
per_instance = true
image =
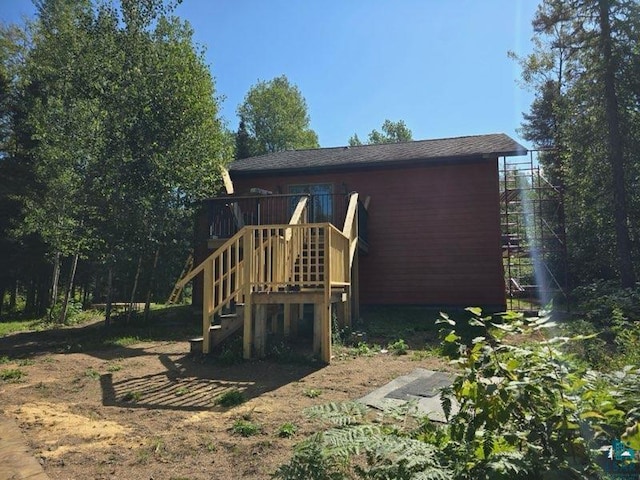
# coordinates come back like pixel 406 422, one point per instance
pixel 350 229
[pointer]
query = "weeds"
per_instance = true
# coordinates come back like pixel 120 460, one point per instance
pixel 245 428
pixel 312 392
pixel 180 391
pixel 230 398
pixel 91 373
pixel 11 374
pixel 399 347
pixel 287 430
pixel 132 396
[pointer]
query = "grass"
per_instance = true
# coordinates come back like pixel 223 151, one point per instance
pixel 13 326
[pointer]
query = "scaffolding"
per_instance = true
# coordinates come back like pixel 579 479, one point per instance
pixel 534 249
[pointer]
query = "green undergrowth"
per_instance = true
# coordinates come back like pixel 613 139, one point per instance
pixel 520 407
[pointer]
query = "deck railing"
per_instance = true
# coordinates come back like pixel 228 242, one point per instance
pixel 296 257
pixel 228 214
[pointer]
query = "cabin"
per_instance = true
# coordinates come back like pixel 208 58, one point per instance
pixel 414 223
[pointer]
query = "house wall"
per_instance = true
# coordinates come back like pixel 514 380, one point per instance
pixel 434 231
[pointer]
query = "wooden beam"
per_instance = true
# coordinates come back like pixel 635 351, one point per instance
pixel 226 178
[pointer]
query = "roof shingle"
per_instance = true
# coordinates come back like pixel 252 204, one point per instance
pixel 491 145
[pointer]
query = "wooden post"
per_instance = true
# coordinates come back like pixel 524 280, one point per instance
pixel 207 306
pixel 355 289
pixel 325 346
pixel 288 312
pixel 247 335
pixel 296 315
pixel 260 342
pixel 317 328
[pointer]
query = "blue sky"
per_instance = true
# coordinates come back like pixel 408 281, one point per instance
pixel 439 65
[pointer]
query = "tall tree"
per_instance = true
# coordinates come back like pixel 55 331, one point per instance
pixel 116 124
pixel 275 116
pixel 392 132
pixel 584 72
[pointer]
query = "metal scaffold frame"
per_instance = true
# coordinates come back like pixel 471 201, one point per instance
pixel 534 248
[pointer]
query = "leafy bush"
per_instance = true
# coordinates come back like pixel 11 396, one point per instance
pixel 516 410
pixel 599 300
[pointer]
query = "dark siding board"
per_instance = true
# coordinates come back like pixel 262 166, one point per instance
pixel 434 231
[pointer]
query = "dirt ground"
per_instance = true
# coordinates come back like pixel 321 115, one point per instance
pixel 147 411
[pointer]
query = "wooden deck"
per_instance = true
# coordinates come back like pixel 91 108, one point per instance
pixel 293 264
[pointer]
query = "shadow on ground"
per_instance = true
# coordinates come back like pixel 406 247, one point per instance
pixel 191 385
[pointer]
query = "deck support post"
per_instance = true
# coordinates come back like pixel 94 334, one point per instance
pixel 288 313
pixel 354 290
pixel 260 339
pixel 317 328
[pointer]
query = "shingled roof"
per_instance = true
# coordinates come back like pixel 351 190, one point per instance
pixel 442 149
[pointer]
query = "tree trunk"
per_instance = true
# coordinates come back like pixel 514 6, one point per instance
pixel 135 287
pixel 72 275
pixel 54 284
pixel 107 308
pixel 616 156
pixel 13 296
pixel 147 303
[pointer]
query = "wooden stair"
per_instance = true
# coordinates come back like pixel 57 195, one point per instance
pixel 226 325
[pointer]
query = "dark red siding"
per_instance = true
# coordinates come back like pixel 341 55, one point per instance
pixel 434 233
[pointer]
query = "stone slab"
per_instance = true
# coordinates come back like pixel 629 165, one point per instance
pixel 421 386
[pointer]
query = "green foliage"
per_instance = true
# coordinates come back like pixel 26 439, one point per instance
pixel 287 430
pixel 392 132
pixel 312 392
pixel 310 462
pixel 132 396
pixel 399 347
pixel 581 69
pixel 517 409
pixel 11 374
pixel 245 428
pixel 230 398
pixel 274 115
pixel 112 134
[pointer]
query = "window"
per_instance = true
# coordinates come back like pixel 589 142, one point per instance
pixel 320 204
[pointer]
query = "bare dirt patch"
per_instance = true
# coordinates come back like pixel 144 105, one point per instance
pixel 148 411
